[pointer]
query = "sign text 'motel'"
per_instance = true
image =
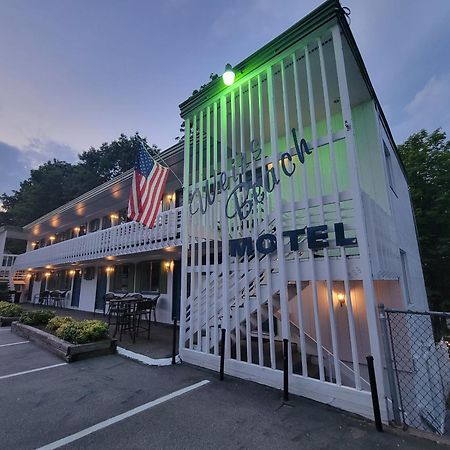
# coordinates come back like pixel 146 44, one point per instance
pixel 317 238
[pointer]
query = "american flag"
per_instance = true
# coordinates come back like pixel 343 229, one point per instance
pixel 147 189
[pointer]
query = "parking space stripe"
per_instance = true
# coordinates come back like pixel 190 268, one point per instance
pixel 125 415
pixel 3 377
pixel 14 343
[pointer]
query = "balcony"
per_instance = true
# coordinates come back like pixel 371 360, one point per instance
pixel 125 239
pixel 6 262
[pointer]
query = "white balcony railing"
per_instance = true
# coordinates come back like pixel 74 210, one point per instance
pixel 124 239
pixel 6 263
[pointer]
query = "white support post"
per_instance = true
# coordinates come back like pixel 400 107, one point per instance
pixel 284 307
pixel 184 239
pixel 224 228
pixel 371 305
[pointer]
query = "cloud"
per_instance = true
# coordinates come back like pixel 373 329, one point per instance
pixel 428 109
pixel 16 162
pixel 38 151
pixel 14 167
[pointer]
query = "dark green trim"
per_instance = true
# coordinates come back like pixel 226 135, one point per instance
pixel 316 19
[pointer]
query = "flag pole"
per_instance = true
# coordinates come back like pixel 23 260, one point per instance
pixel 159 157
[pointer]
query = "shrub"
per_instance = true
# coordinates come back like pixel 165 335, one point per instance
pixel 40 317
pixel 56 322
pixel 10 310
pixel 82 332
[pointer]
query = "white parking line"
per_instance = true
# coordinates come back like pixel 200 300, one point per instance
pixel 125 415
pixel 14 343
pixel 3 377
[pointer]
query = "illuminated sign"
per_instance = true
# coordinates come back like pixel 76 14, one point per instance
pixel 316 236
pixel 246 194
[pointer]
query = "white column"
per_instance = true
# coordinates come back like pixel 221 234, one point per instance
pixel 363 245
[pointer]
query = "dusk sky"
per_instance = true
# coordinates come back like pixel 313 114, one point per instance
pixel 75 74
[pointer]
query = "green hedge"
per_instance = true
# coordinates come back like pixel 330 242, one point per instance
pixel 83 331
pixel 56 322
pixel 40 317
pixel 10 310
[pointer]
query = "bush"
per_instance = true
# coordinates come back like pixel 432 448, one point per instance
pixel 56 322
pixel 10 310
pixel 40 317
pixel 82 332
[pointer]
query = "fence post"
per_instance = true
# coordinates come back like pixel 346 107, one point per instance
pixel 374 391
pixel 285 370
pixel 174 340
pixel 389 364
pixel 222 354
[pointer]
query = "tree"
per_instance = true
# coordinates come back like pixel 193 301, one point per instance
pixel 49 186
pixel 56 182
pixel 114 158
pixel 426 157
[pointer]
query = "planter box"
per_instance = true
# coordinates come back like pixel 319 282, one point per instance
pixel 7 321
pixel 69 352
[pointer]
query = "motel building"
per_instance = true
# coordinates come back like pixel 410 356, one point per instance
pixel 293 226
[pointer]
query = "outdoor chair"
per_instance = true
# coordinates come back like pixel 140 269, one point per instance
pixel 42 298
pixel 125 319
pixel 143 309
pixel 58 298
pixel 154 297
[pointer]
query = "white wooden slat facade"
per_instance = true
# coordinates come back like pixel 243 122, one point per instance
pixel 258 299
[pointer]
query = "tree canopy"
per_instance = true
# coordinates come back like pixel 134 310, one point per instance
pixel 56 182
pixel 426 157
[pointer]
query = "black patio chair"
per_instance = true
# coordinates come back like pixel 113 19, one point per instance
pixel 42 298
pixel 154 297
pixel 57 298
pixel 143 309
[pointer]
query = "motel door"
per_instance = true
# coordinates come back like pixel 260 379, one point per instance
pixel 176 292
pixel 30 289
pixel 101 289
pixel 76 289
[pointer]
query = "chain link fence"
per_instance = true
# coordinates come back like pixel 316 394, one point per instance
pixel 418 364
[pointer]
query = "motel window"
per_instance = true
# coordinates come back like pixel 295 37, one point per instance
pixel 59 280
pixel 123 216
pixel 82 230
pixel 178 198
pixel 123 279
pixel 404 262
pixel 389 168
pixel 106 222
pixel 150 277
pixel 94 225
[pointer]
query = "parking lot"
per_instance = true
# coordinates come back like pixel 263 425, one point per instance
pixel 111 402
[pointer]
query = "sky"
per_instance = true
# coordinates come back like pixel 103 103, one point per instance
pixel 75 74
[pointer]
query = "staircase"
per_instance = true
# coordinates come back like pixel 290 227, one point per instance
pixel 245 313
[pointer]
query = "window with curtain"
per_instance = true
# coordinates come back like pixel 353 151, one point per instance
pixel 150 277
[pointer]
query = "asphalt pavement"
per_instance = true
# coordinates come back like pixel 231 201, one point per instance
pixel 111 402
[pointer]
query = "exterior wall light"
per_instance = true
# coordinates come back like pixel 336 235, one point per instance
pixel 168 265
pixel 33 244
pixel 109 269
pixel 341 299
pixel 72 272
pixel 52 239
pixel 228 75
pixel 47 274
